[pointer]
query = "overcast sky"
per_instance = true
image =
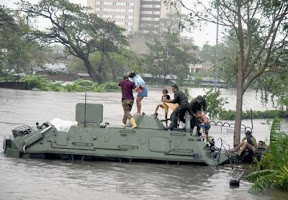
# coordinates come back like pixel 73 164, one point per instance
pixel 206 34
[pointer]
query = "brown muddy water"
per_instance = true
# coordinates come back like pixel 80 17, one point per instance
pixel 24 179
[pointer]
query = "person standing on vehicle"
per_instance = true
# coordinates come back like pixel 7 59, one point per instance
pixel 127 100
pixel 179 112
pixel 165 95
pixel 140 87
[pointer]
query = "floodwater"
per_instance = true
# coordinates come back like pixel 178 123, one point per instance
pixel 31 179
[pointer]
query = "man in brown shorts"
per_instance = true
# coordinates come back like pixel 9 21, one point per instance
pixel 127 100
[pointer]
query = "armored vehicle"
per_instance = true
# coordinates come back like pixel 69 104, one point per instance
pixel 92 139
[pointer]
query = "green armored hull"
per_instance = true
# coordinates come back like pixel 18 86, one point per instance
pixel 91 139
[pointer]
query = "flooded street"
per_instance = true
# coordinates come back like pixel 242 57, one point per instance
pixel 34 179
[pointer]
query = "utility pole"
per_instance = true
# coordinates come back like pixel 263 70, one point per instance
pixel 216 48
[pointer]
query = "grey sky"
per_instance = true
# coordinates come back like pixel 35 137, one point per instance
pixel 206 34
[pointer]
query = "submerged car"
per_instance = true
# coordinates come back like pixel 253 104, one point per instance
pixel 92 139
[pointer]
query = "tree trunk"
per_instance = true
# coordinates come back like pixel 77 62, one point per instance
pixel 100 68
pixel 113 71
pixel 93 74
pixel 239 102
pixel 238 117
pixel 239 77
pixel 114 76
pixel 286 97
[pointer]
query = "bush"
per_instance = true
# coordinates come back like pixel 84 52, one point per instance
pixel 215 103
pixel 79 85
pixel 110 86
pixel 267 114
pixel 37 82
pixel 273 166
pixel 86 83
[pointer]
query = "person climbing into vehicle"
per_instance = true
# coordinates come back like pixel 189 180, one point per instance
pixel 197 104
pixel 127 100
pixel 162 105
pixel 140 87
pixel 179 112
pixel 204 124
pixel 249 144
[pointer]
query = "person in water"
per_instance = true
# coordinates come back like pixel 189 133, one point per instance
pixel 165 95
pixel 179 112
pixel 248 142
pixel 140 87
pixel 127 101
pixel 204 124
pixel 263 145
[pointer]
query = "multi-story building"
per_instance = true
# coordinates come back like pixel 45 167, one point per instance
pixel 136 16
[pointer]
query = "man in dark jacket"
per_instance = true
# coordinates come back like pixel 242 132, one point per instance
pixel 179 112
pixel 197 104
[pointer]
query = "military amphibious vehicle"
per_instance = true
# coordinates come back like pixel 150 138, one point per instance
pixel 92 139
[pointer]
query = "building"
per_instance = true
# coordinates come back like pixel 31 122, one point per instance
pixel 138 17
pixel 200 67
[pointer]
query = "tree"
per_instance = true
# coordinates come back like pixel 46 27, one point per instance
pixel 82 33
pixel 260 27
pixel 273 87
pixel 167 55
pixel 18 52
pixel 122 63
pixel 227 53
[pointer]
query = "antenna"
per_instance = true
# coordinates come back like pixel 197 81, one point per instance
pixel 251 116
pixel 216 49
pixel 85 109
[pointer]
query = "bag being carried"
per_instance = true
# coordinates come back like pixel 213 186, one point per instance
pixel 139 89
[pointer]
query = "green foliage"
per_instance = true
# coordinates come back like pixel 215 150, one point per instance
pixel 267 114
pixel 260 32
pixel 109 87
pixel 80 85
pixel 215 103
pixel 263 179
pixel 5 76
pixel 282 178
pixel 117 64
pixel 86 85
pixel 273 162
pixel 227 115
pixel 38 82
pixel 208 53
pixel 76 65
pixel 272 87
pixel 198 81
pixel 186 91
pixel 18 51
pixel 167 56
pixel 266 178
pixel 82 82
pixel 67 27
